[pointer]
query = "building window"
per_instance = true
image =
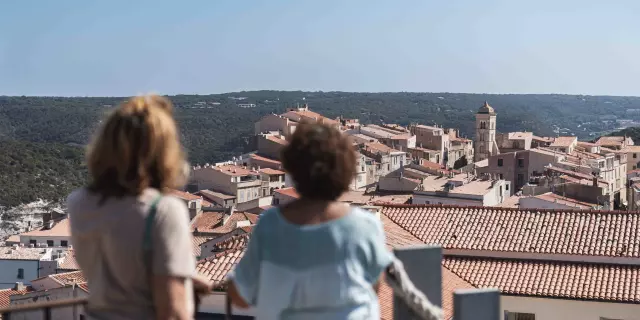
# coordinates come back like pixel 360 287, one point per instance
pixel 20 273
pixel 519 316
pixel 635 155
pixel 499 162
pixel 520 179
pixel 64 243
pixel 33 242
pixel 506 187
pixel 500 176
pixel 521 163
pixel 50 243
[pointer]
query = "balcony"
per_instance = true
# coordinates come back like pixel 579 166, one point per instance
pixel 468 304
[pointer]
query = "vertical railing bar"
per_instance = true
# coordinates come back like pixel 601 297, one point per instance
pixel 476 304
pixel 47 313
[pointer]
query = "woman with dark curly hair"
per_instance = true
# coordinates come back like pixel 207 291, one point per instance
pixel 315 258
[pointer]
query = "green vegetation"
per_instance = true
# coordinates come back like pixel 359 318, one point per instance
pixel 214 129
pixel 30 171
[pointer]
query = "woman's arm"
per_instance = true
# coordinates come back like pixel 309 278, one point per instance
pixel 236 299
pixel 169 298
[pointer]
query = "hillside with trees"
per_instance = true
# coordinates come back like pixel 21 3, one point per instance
pixel 215 128
pixel 31 171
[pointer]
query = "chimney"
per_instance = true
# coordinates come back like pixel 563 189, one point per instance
pixel 19 286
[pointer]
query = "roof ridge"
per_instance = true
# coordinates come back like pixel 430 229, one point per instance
pixel 220 254
pixel 405 205
pixel 548 261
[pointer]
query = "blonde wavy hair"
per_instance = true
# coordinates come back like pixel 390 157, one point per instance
pixel 136 148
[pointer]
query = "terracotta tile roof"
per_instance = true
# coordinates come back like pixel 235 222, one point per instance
pixel 216 267
pixel 310 115
pixel 60 229
pixel 398 237
pixel 422 126
pixel 549 231
pixel 207 221
pixel 583 154
pixel 270 171
pixel 235 242
pixel 631 149
pixel 377 147
pixel 197 241
pixel 603 282
pixel 68 277
pixel 206 203
pixel 573 173
pixel 543 139
pixel 182 194
pixel 511 202
pixel 584 181
pixel 233 170
pixel 519 135
pixel 5 295
pixel 431 165
pixel 291 192
pixel 361 138
pixel 586 144
pixel 277 140
pixel 69 262
pixel 261 158
pixel 563 141
pixel 212 222
pixel 610 141
pixel 13 239
pixel 214 195
pixel 402 136
pixel 423 150
pixel 258 210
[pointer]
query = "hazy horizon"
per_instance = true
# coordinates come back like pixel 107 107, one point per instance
pixel 117 48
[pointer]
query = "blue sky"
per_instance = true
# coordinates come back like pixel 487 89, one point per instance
pixel 95 48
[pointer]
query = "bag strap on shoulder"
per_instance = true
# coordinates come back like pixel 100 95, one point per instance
pixel 148 227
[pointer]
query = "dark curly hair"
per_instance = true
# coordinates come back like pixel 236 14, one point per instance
pixel 321 161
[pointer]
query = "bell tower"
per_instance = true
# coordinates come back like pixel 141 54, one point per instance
pixel 485 139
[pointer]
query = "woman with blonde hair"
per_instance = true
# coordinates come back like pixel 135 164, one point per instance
pixel 133 243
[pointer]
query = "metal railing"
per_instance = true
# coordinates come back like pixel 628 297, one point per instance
pixel 45 307
pixel 423 264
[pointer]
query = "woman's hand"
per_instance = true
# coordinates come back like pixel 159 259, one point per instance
pixel 201 284
pixel 236 299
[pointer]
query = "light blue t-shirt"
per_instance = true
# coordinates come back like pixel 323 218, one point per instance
pixel 322 271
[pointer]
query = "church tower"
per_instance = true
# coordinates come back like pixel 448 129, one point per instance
pixel 485 139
